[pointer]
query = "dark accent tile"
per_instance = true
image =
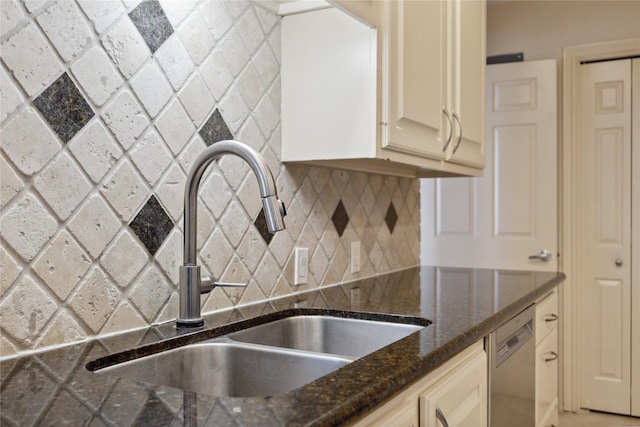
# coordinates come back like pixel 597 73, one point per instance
pixel 391 218
pixel 340 218
pixel 261 225
pixel 152 225
pixel 215 129
pixel 64 107
pixel 152 23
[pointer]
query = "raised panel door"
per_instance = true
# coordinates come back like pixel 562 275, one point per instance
pixel 467 81
pixel 606 233
pixel 461 397
pixel 414 82
pixel 510 213
pixel 547 379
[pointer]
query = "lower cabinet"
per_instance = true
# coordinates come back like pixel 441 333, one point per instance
pixel 547 361
pixel 460 399
pixel 455 394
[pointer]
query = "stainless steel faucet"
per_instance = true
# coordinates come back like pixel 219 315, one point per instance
pixel 191 283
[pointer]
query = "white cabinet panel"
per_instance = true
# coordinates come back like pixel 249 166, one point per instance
pixel 461 399
pixel 458 388
pixel 547 359
pixel 404 96
pixel 547 379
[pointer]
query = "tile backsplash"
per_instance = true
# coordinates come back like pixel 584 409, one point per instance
pixel 104 105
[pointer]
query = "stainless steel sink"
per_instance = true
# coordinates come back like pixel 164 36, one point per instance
pixel 327 334
pixel 228 369
pixel 264 360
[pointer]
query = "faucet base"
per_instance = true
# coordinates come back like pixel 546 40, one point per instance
pixel 189 291
pixel 190 324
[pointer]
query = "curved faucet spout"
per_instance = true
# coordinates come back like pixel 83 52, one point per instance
pixel 190 282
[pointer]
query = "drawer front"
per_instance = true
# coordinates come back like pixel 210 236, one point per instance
pixel 547 377
pixel 547 316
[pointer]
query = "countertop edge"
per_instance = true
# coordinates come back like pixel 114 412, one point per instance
pixel 393 384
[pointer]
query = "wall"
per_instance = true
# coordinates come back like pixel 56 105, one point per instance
pixel 104 106
pixel 541 29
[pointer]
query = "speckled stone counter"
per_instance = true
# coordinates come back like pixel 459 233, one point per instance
pixel 55 388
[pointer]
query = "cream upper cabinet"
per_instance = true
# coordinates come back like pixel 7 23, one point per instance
pixel 393 87
pixel 467 82
pixel 433 79
pixel 414 83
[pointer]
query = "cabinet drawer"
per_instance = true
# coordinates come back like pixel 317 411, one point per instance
pixel 547 377
pixel 546 316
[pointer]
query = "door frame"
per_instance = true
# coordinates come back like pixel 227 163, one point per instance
pixel 569 215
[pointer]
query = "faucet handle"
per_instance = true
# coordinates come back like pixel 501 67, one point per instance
pixel 207 284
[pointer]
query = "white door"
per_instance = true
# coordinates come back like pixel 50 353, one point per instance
pixel 605 246
pixel 509 214
pixel 635 243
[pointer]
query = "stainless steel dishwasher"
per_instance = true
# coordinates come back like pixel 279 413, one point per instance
pixel 512 382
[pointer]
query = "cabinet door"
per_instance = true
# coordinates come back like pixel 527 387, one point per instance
pixel 460 397
pixel 467 81
pixel 404 415
pixel 547 380
pixel 413 77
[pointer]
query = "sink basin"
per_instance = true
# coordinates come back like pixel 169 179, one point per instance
pixel 228 369
pixel 265 360
pixel 327 334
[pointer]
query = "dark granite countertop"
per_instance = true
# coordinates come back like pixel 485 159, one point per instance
pixel 55 388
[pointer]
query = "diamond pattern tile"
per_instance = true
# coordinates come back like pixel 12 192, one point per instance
pixel 152 225
pixel 96 299
pixel 27 226
pixel 124 259
pixel 340 218
pixel 215 129
pixel 62 327
pixel 125 174
pixel 62 264
pixel 152 23
pixel 66 28
pixel 26 297
pixel 64 107
pixel 94 225
pixel 150 293
pixel 24 132
pixel 391 218
pixel 11 183
pixel 125 190
pixel 62 185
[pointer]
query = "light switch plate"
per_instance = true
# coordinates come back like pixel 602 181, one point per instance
pixel 301 269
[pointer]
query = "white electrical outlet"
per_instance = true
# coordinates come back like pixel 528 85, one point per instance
pixel 355 257
pixel 301 269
